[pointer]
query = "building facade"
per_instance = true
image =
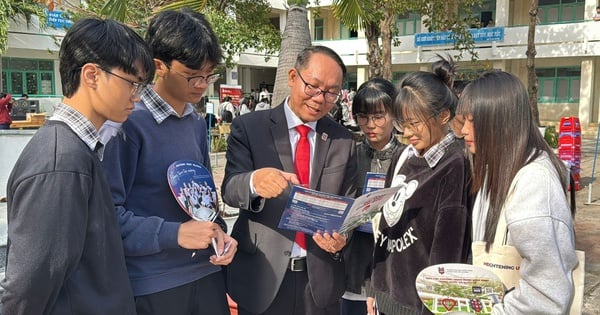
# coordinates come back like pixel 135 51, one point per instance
pixel 567 61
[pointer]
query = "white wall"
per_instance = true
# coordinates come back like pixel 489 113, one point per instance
pixel 12 143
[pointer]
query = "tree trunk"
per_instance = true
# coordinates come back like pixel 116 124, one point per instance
pixel 386 44
pixel 295 38
pixel 532 82
pixel 372 32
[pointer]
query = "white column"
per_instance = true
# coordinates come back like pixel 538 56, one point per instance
pixel 361 76
pixel 586 102
pixel 232 76
pixel 589 9
pixel 502 12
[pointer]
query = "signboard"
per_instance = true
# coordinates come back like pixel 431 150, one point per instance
pixel 58 19
pixel 233 91
pixel 488 34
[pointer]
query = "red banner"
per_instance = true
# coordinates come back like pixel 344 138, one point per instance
pixel 233 91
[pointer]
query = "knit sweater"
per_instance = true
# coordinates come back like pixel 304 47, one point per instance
pixel 540 227
pixel 64 248
pixel 136 161
pixel 432 228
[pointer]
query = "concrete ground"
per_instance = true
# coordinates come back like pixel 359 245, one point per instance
pixel 587 222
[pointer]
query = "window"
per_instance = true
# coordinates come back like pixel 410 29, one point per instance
pixel 351 80
pixel 318 31
pixel 559 85
pixel 408 24
pixel 486 13
pixel 28 76
pixel 346 33
pixel 555 11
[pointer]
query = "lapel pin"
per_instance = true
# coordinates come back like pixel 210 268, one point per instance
pixel 324 136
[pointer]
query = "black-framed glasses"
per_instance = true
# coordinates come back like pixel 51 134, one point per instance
pixel 138 87
pixel 414 125
pixel 313 91
pixel 378 119
pixel 197 80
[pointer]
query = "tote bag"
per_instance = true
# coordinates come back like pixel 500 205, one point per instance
pixel 504 260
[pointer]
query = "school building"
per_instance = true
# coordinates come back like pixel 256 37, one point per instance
pixel 567 61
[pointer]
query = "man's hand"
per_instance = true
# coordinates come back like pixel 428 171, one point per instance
pixel 271 182
pixel 197 234
pixel 226 247
pixel 371 306
pixel 331 243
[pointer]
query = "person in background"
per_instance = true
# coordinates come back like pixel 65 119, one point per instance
pixel 245 106
pixel 596 16
pixel 264 93
pixel 430 215
pixel 173 266
pixel 372 107
pixel 278 271
pixel 516 174
pixel 5 108
pixel 263 104
pixel 64 252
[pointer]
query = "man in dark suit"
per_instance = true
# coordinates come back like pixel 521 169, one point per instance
pixel 272 272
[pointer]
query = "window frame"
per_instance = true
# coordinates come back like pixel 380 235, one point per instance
pixel 38 70
pixel 554 80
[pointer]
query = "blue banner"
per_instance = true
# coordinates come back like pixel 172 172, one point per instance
pixel 58 19
pixel 479 35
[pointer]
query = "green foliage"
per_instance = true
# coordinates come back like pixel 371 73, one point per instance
pixel 15 10
pixel 438 15
pixel 297 2
pixel 551 136
pixel 244 25
pixel 239 24
pixel 134 13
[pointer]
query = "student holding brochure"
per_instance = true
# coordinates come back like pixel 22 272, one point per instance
pixel 527 193
pixel 173 266
pixel 372 108
pixel 426 221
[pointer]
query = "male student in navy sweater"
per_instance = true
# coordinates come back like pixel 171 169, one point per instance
pixel 159 237
pixel 64 253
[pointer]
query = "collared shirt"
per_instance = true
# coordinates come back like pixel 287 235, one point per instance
pixel 294 121
pixel 436 152
pixel 159 108
pixel 81 126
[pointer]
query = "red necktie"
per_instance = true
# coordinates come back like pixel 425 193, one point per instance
pixel 302 166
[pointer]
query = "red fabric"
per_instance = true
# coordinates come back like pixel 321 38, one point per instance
pixel 302 166
pixel 5 107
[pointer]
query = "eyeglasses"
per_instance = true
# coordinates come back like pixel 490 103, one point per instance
pixel 138 87
pixel 363 119
pixel 196 81
pixel 414 125
pixel 313 91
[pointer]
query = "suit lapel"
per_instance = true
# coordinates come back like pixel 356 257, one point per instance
pixel 281 139
pixel 322 143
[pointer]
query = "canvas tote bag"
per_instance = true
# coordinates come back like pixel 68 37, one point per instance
pixel 504 260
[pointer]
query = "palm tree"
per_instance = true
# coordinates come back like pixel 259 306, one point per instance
pixel 366 15
pixel 296 36
pixel 15 10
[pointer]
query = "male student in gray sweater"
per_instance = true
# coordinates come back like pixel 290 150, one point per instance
pixel 64 253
